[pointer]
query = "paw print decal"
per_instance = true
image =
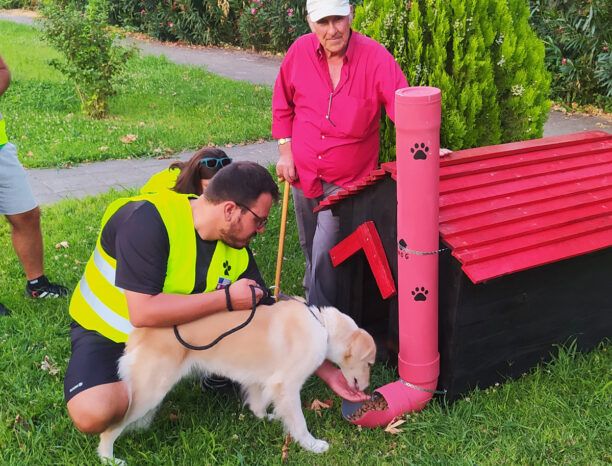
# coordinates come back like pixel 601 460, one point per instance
pixel 420 151
pixel 420 294
pixel 226 267
pixel 402 249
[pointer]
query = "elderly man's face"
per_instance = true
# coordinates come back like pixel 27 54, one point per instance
pixel 333 33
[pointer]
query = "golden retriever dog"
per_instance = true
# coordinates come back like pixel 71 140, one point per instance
pixel 270 358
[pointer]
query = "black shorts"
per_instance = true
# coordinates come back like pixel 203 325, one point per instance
pixel 93 361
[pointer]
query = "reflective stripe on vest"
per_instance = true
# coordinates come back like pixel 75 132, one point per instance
pixel 97 304
pixel 3 136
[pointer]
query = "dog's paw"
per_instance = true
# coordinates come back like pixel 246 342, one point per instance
pixel 259 414
pixel 316 445
pixel 107 461
pixel 271 417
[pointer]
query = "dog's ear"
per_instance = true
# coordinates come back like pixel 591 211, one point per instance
pixel 360 345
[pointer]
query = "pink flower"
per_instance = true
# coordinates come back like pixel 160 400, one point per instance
pixel 290 12
pixel 142 12
pixel 170 24
pixel 256 2
pixel 253 11
pixel 564 61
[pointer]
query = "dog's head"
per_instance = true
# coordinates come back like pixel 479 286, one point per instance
pixel 351 348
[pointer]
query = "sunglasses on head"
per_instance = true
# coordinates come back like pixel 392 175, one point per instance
pixel 214 162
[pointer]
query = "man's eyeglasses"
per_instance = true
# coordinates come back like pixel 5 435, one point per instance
pixel 261 221
pixel 214 162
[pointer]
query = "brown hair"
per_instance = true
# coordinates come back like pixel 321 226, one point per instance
pixel 241 182
pixel 192 171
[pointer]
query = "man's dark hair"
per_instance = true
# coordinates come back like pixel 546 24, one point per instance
pixel 242 183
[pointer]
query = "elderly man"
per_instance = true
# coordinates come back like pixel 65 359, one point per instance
pixel 326 112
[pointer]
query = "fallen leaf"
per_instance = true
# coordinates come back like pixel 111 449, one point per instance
pixel 30 154
pixel 103 148
pixel 21 422
pixel 392 427
pixel 62 245
pixel 285 449
pixel 49 366
pixel 318 405
pixel 173 417
pixel 128 138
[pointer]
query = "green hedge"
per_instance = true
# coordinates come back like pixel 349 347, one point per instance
pixel 24 4
pixel 482 54
pixel 578 39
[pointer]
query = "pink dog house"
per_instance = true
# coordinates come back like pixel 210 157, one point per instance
pixel 525 262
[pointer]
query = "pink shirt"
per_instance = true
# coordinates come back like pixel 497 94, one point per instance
pixel 344 147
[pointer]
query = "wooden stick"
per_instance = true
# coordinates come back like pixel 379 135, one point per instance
pixel 281 239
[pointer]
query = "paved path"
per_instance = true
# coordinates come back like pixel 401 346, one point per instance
pixel 51 185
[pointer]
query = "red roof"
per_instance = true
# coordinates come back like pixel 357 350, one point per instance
pixel 516 206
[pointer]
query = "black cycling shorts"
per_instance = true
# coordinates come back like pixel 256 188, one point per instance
pixel 93 361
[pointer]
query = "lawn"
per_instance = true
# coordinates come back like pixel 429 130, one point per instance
pixel 558 414
pixel 167 107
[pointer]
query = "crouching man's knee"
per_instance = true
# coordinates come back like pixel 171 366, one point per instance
pixel 94 410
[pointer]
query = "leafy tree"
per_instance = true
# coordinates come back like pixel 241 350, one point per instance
pixel 92 59
pixel 482 54
pixel 578 39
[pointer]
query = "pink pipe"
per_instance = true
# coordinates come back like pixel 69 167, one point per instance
pixel 417 122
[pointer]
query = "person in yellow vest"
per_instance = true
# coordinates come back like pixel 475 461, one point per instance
pixel 192 177
pixel 161 259
pixel 17 203
pixel 189 177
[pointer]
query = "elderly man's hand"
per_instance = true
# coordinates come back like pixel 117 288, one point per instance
pixel 444 152
pixel 285 168
pixel 335 380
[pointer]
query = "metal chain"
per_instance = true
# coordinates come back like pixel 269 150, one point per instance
pixel 422 389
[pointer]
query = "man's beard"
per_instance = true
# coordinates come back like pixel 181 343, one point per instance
pixel 230 236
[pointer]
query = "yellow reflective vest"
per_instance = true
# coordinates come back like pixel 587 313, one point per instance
pixel 160 181
pixel 3 136
pixel 98 304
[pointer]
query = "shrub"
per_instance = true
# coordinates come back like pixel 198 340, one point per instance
pixel 92 61
pixel 578 37
pixel 25 4
pixel 272 24
pixel 482 54
pixel 207 22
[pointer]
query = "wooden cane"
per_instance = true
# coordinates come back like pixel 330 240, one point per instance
pixel 281 239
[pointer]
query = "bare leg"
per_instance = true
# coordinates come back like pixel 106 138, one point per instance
pixel 93 410
pixel 28 241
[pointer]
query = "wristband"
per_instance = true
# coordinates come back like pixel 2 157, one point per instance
pixel 228 299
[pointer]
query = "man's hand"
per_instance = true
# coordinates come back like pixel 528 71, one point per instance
pixel 444 152
pixel 334 379
pixel 285 168
pixel 240 293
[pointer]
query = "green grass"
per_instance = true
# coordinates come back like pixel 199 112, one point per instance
pixel 168 107
pixel 558 414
